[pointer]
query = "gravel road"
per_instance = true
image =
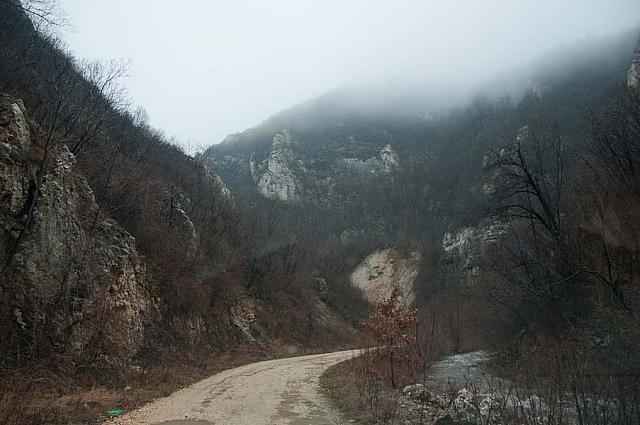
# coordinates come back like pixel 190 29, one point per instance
pixel 273 392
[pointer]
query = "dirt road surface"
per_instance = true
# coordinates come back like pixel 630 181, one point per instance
pixel 273 392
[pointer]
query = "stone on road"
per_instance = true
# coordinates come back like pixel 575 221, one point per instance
pixel 273 392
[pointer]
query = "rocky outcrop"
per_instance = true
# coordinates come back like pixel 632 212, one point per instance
pixel 386 162
pixel 379 272
pixel 243 317
pixel 275 177
pixel 633 79
pixel 185 235
pixel 302 169
pixel 71 278
pixel 464 248
pixel 447 406
pixel 389 159
pixel 458 389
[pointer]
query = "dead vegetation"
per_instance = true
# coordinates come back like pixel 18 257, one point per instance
pixel 41 394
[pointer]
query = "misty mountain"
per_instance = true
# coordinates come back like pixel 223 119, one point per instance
pixel 424 216
pixel 355 150
pixel 354 171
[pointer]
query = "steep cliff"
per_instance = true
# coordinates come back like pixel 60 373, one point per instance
pixel 291 167
pixel 385 163
pixel 464 249
pixel 73 282
pixel 72 279
pixel 275 177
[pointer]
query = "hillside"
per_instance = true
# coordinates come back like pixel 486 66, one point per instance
pixel 382 170
pixel 510 223
pixel 506 215
pixel 121 255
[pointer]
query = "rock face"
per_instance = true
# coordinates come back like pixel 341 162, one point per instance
pixel 458 390
pixel 464 248
pixel 291 177
pixel 633 79
pixel 69 275
pixel 385 163
pixel 377 274
pixel 274 177
pixel 303 168
pixel 185 235
pixel 389 159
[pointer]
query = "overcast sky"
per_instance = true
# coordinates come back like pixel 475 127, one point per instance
pixel 206 68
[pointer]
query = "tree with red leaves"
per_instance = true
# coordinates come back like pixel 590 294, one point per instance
pixel 394 331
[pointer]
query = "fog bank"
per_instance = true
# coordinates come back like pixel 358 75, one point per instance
pixel 204 69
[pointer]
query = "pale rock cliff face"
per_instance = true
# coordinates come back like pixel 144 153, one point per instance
pixel 385 163
pixel 243 317
pixel 377 274
pixel 308 169
pixel 389 159
pixel 275 177
pixel 219 185
pixel 633 79
pixel 464 248
pixel 69 275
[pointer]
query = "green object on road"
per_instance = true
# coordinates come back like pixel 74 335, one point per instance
pixel 115 412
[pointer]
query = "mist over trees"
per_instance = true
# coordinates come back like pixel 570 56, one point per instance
pixel 541 170
pixel 551 172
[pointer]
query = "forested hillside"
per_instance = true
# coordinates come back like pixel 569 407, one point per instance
pixel 520 212
pixel 508 218
pixel 119 252
pixel 413 175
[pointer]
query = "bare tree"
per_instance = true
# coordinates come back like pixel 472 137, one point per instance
pixel 531 192
pixel 43 13
pixel 615 148
pixel 532 177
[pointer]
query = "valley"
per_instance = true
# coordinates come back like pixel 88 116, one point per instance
pixel 478 231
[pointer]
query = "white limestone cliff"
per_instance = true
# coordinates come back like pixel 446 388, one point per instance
pixel 463 248
pixel 385 163
pixel 275 177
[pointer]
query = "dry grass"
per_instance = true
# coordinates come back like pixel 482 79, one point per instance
pixel 359 396
pixel 341 385
pixel 39 395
